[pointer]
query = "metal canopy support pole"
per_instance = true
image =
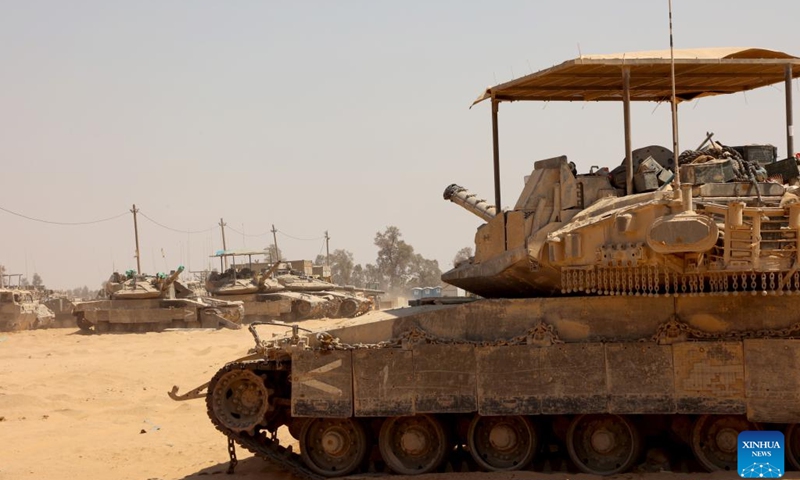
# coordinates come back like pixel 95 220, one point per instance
pixel 789 122
pixel 676 182
pixel 626 109
pixel 496 154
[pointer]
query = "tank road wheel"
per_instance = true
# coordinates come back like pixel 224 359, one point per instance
pixel 333 447
pixel 348 308
pixel 412 445
pixel 502 443
pixel 240 400
pixel 302 309
pixel 714 440
pixel 603 444
pixel 792 437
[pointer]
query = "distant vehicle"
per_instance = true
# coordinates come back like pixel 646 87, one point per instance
pixel 19 310
pixel 281 292
pixel 143 303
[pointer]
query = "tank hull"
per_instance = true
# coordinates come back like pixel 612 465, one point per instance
pixel 656 366
pixel 20 311
pixel 145 315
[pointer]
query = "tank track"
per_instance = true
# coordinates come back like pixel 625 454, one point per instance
pixel 267 447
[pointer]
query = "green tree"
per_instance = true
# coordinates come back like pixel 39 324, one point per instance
pixel 398 267
pixel 373 277
pixel 394 258
pixel 342 264
pixel 37 280
pixel 357 277
pixel 424 272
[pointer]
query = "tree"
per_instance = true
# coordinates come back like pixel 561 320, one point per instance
pixel 357 277
pixel 373 277
pixel 462 256
pixel 271 257
pixel 37 281
pixel 394 257
pixel 342 264
pixel 424 272
pixel 398 267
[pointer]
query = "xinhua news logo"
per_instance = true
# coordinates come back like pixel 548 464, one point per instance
pixel 760 454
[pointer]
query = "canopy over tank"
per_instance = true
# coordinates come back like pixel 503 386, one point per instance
pixel 657 312
pixel 640 229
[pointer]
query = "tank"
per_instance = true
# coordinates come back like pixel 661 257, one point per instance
pixel 278 291
pixel 628 322
pixel 142 303
pixel 20 310
pixel 316 298
pixel 61 306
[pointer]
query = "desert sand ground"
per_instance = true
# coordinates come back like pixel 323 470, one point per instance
pixel 86 406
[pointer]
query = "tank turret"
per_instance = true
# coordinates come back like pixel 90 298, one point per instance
pixel 572 234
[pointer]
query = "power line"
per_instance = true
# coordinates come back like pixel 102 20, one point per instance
pixel 52 222
pixel 301 239
pixel 175 229
pixel 248 234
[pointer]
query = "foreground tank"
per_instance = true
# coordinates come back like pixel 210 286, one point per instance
pixel 288 295
pixel 615 323
pixel 19 310
pixel 142 303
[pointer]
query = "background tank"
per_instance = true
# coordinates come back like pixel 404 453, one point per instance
pixel 617 322
pixel 280 292
pixel 141 303
pixel 19 310
pixel 316 298
pixel 61 306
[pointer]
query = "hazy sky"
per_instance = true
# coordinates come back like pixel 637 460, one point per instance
pixel 313 116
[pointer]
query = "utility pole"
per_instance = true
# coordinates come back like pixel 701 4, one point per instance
pixel 224 246
pixel 327 249
pixel 134 211
pixel 275 241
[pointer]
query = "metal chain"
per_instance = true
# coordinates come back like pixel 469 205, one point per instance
pixel 674 328
pixel 232 454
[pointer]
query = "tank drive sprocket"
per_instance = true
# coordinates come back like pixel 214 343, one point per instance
pixel 240 400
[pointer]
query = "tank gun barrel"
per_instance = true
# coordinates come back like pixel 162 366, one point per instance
pixel 171 278
pixel 461 196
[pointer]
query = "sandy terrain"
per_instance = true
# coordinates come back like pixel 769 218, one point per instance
pixel 96 407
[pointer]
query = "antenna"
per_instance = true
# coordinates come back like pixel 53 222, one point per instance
pixel 677 181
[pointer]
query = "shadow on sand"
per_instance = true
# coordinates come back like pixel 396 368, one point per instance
pixel 248 468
